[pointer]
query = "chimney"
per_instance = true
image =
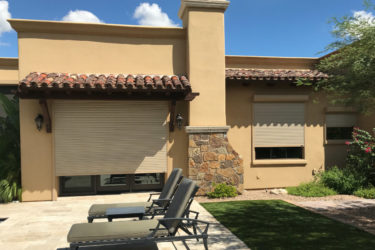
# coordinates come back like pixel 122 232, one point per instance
pixel 204 21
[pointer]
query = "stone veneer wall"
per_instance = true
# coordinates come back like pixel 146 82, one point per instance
pixel 212 159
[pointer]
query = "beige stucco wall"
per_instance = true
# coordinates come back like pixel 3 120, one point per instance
pixel 161 51
pixel 90 53
pixel 264 62
pixel 36 155
pixel 239 118
pixel 8 71
pixel 178 142
pixel 367 122
pixel 206 65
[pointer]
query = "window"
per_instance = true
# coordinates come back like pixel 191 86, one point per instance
pixel 340 126
pixel 279 130
pixel 279 153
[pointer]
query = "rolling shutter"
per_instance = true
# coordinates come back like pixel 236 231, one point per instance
pixel 341 120
pixel 110 137
pixel 279 124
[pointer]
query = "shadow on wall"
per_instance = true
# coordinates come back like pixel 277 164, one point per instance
pixel 335 155
pixel 179 140
pixel 239 106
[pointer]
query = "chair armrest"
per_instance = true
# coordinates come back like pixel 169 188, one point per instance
pixel 194 212
pixel 149 198
pixel 156 200
pixel 184 219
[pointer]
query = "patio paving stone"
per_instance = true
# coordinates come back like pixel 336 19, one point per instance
pixel 45 225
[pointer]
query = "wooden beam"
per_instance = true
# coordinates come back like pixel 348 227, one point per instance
pixel 190 96
pixel 172 115
pixel 47 117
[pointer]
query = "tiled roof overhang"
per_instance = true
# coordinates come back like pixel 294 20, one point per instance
pixel 84 86
pixel 274 74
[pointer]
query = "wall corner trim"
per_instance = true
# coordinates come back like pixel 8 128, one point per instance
pixel 213 4
pixel 206 129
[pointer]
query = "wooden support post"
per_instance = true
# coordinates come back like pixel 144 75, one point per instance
pixel 47 117
pixel 172 115
pixel 190 96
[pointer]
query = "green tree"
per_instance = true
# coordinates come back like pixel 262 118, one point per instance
pixel 10 170
pixel 351 67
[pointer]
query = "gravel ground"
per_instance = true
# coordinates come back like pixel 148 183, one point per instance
pixel 266 195
pixel 348 209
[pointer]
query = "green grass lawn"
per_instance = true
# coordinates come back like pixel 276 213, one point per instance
pixel 276 224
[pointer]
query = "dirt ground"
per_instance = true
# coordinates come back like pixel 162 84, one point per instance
pixel 348 209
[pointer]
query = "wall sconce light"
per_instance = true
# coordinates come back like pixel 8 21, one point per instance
pixel 39 122
pixel 179 120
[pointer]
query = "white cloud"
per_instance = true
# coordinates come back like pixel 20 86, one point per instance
pixel 152 15
pixel 364 17
pixel 4 15
pixel 81 16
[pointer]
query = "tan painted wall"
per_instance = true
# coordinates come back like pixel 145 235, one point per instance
pixel 36 155
pixel 335 155
pixel 262 62
pixel 206 60
pixel 96 54
pixel 8 71
pixel 239 118
pixel 178 142
pixel 367 122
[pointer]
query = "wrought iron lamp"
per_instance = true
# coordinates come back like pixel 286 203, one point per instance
pixel 179 120
pixel 39 121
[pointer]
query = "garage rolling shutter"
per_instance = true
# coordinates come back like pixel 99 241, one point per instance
pixel 279 124
pixel 341 120
pixel 110 137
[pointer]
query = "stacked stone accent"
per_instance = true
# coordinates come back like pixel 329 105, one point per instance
pixel 213 160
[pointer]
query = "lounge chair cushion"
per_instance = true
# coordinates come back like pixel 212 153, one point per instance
pixel 100 209
pixel 84 232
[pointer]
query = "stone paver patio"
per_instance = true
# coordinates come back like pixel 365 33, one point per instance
pixel 45 225
pixel 359 213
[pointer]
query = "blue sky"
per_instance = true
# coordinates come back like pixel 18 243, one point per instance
pixel 296 28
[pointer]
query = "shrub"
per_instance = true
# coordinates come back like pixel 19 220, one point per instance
pixel 368 193
pixel 10 170
pixel 310 189
pixel 222 190
pixel 343 181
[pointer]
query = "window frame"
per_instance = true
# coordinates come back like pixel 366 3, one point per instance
pixel 283 161
pixel 337 110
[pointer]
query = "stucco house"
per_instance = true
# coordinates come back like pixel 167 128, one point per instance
pixel 107 108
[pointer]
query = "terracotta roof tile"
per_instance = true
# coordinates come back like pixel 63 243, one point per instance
pixel 273 74
pixel 134 82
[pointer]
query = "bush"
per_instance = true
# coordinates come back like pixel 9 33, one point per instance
pixel 368 193
pixel 9 191
pixel 10 170
pixel 343 181
pixel 310 189
pixel 361 156
pixel 222 190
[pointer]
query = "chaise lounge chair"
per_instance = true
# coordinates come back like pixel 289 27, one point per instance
pixel 97 211
pixel 120 233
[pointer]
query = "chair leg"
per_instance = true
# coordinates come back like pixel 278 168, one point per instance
pixel 195 231
pixel 73 247
pixel 90 219
pixel 205 243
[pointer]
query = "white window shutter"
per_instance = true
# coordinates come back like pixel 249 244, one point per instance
pixel 110 137
pixel 279 124
pixel 341 120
